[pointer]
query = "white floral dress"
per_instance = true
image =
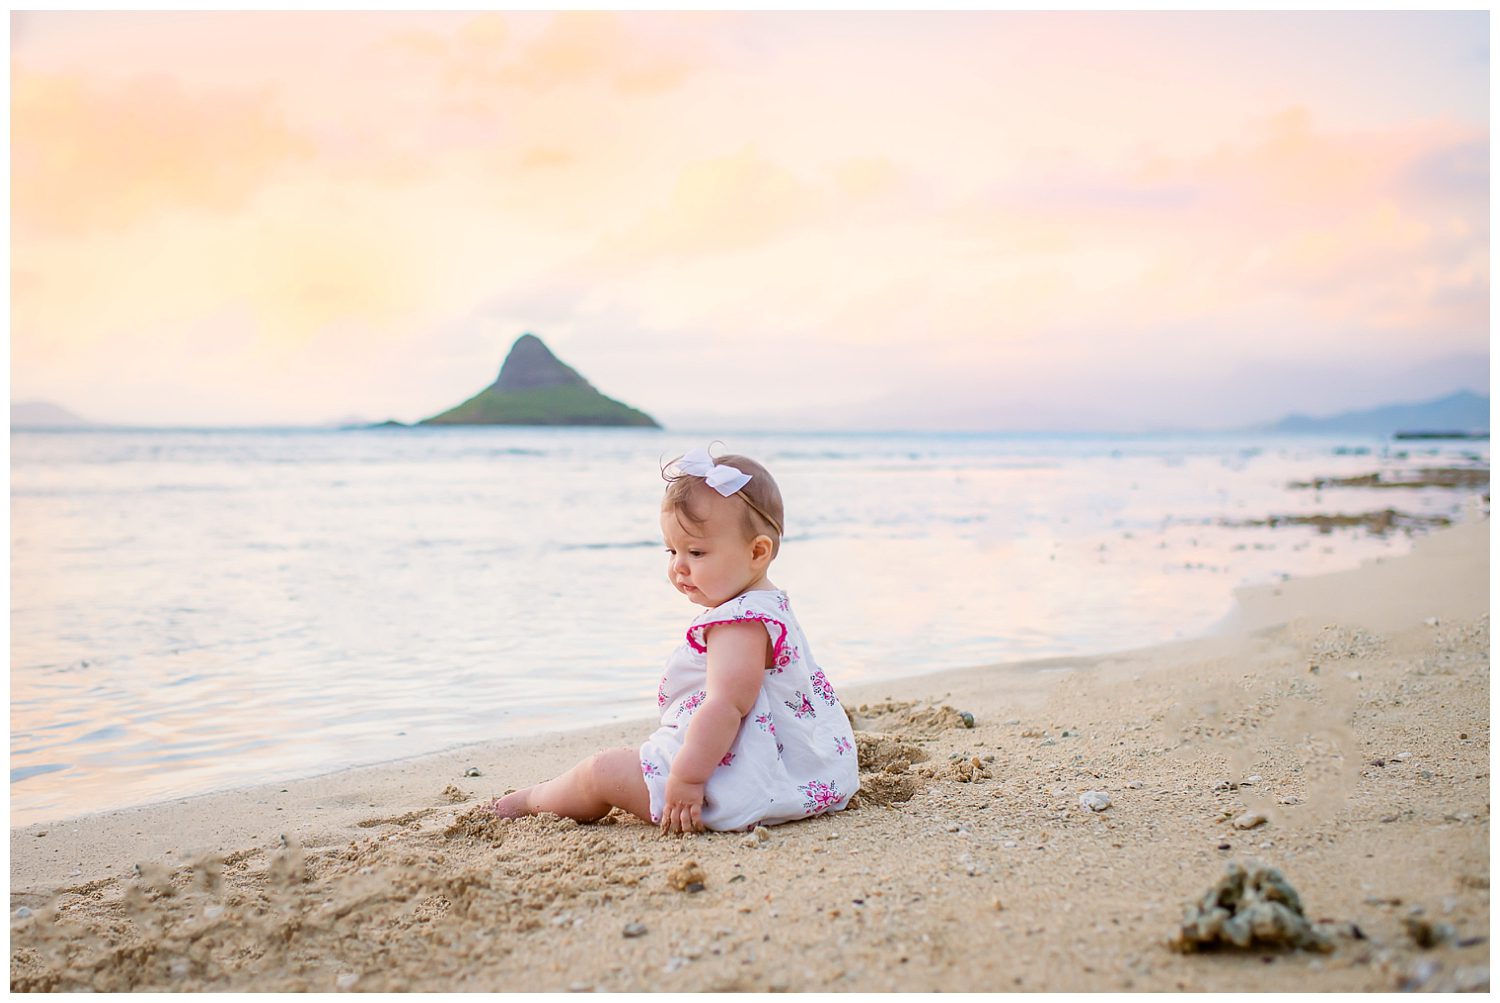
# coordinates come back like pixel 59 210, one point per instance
pixel 794 755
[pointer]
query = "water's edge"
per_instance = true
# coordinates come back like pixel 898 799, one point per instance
pixel 1033 674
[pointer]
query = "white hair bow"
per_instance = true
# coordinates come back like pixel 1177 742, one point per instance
pixel 720 476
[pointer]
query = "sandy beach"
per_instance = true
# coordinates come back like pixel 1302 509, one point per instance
pixel 1350 712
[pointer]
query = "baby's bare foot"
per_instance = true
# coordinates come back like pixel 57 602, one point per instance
pixel 512 805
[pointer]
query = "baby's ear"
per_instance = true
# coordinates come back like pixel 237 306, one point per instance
pixel 762 546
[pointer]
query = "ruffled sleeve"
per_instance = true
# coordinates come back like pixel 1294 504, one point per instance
pixel 766 608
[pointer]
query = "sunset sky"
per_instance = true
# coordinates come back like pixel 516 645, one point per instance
pixel 1094 220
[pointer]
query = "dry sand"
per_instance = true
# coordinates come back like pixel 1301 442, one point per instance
pixel 968 865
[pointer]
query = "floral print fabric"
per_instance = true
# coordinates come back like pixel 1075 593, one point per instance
pixel 793 756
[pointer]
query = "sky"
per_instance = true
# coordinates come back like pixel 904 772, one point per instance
pixel 1115 221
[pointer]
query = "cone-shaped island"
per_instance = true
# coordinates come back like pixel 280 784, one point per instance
pixel 535 387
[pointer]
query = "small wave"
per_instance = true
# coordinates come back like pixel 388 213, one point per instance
pixel 109 731
pixel 631 545
pixel 19 773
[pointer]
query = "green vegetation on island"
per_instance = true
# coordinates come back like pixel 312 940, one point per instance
pixel 536 388
pixel 541 406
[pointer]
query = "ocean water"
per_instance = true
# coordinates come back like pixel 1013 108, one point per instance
pixel 193 610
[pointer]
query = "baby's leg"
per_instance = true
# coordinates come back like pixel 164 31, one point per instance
pixel 605 780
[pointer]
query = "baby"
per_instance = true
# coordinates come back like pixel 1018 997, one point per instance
pixel 751 732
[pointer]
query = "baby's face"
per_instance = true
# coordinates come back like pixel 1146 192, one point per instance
pixel 711 563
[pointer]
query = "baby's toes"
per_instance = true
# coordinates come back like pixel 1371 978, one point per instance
pixel 512 805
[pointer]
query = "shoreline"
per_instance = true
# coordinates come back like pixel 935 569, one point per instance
pixel 1255 608
pixel 1388 658
pixel 392 782
pixel 116 717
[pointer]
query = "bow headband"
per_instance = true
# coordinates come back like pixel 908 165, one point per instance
pixel 722 478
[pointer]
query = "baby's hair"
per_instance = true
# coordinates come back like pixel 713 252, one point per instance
pixel 762 498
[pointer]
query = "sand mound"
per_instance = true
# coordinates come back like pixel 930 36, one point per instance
pixel 885 760
pixel 905 716
pixel 878 751
pixel 891 786
pixel 382 906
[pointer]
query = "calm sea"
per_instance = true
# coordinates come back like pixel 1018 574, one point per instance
pixel 194 610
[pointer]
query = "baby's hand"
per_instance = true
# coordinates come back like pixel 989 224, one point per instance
pixel 683 810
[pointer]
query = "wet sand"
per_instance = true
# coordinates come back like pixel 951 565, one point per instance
pixel 1350 710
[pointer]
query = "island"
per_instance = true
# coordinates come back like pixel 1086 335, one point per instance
pixel 535 387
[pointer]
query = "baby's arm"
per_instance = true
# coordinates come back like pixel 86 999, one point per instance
pixel 736 664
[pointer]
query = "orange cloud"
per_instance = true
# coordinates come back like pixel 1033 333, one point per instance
pixel 723 204
pixel 84 158
pixel 596 45
pixel 494 50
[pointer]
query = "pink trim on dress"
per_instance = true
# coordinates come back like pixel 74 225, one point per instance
pixel 778 657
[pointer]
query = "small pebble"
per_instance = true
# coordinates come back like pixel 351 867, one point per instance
pixel 1134 785
pixel 635 929
pixel 1462 734
pixel 472 771
pixel 1402 756
pixel 1254 778
pixel 1094 800
pixel 967 718
pixel 1012 720
pixel 1425 934
pixel 22 913
pixel 1354 675
pixel 1249 820
pixel 347 980
pixel 1431 621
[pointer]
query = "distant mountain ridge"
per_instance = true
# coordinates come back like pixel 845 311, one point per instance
pixel 535 387
pixel 44 414
pixel 1463 411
